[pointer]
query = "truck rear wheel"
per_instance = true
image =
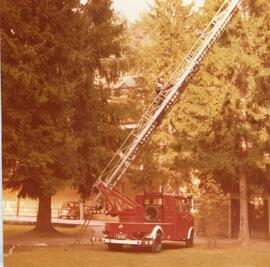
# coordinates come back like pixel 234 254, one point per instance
pixel 157 243
pixel 115 247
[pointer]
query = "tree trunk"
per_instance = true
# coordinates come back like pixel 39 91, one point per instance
pixel 244 236
pixel 44 214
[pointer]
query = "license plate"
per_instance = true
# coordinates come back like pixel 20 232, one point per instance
pixel 120 236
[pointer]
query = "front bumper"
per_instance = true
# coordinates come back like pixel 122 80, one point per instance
pixel 137 242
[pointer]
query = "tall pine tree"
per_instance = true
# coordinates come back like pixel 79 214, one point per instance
pixel 51 51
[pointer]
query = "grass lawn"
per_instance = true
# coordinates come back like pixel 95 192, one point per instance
pixel 24 235
pixel 256 254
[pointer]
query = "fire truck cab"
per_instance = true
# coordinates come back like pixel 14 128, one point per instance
pixel 157 217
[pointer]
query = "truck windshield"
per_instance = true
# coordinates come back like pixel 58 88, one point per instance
pixel 153 201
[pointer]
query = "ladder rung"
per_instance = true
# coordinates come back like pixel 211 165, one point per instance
pixel 147 116
pixel 135 135
pixel 161 96
pixel 189 59
pixel 205 36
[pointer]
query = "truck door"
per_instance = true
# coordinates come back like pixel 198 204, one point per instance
pixel 183 219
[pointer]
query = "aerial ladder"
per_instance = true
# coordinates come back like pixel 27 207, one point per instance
pixel 104 193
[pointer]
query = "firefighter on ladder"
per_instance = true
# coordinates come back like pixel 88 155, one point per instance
pixel 160 86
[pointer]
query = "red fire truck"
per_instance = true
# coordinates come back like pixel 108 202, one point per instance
pixel 151 219
pixel 154 217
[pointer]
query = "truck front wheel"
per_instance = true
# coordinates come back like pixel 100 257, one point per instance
pixel 115 247
pixel 157 243
pixel 189 242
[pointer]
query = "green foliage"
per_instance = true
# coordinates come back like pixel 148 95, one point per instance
pixel 160 37
pixel 163 36
pixel 58 127
pixel 226 108
pixel 38 83
pixel 212 207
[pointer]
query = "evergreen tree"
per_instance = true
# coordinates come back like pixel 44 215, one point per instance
pixel 51 50
pixel 95 121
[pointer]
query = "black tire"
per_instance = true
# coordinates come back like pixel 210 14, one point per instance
pixel 115 247
pixel 157 243
pixel 189 242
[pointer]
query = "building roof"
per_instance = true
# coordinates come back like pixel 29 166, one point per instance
pixel 128 82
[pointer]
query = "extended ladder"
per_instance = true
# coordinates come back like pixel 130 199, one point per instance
pixel 155 113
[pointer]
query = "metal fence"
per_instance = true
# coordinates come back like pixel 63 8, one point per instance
pixel 21 211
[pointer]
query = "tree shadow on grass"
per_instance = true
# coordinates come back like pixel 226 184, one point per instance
pixel 30 236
